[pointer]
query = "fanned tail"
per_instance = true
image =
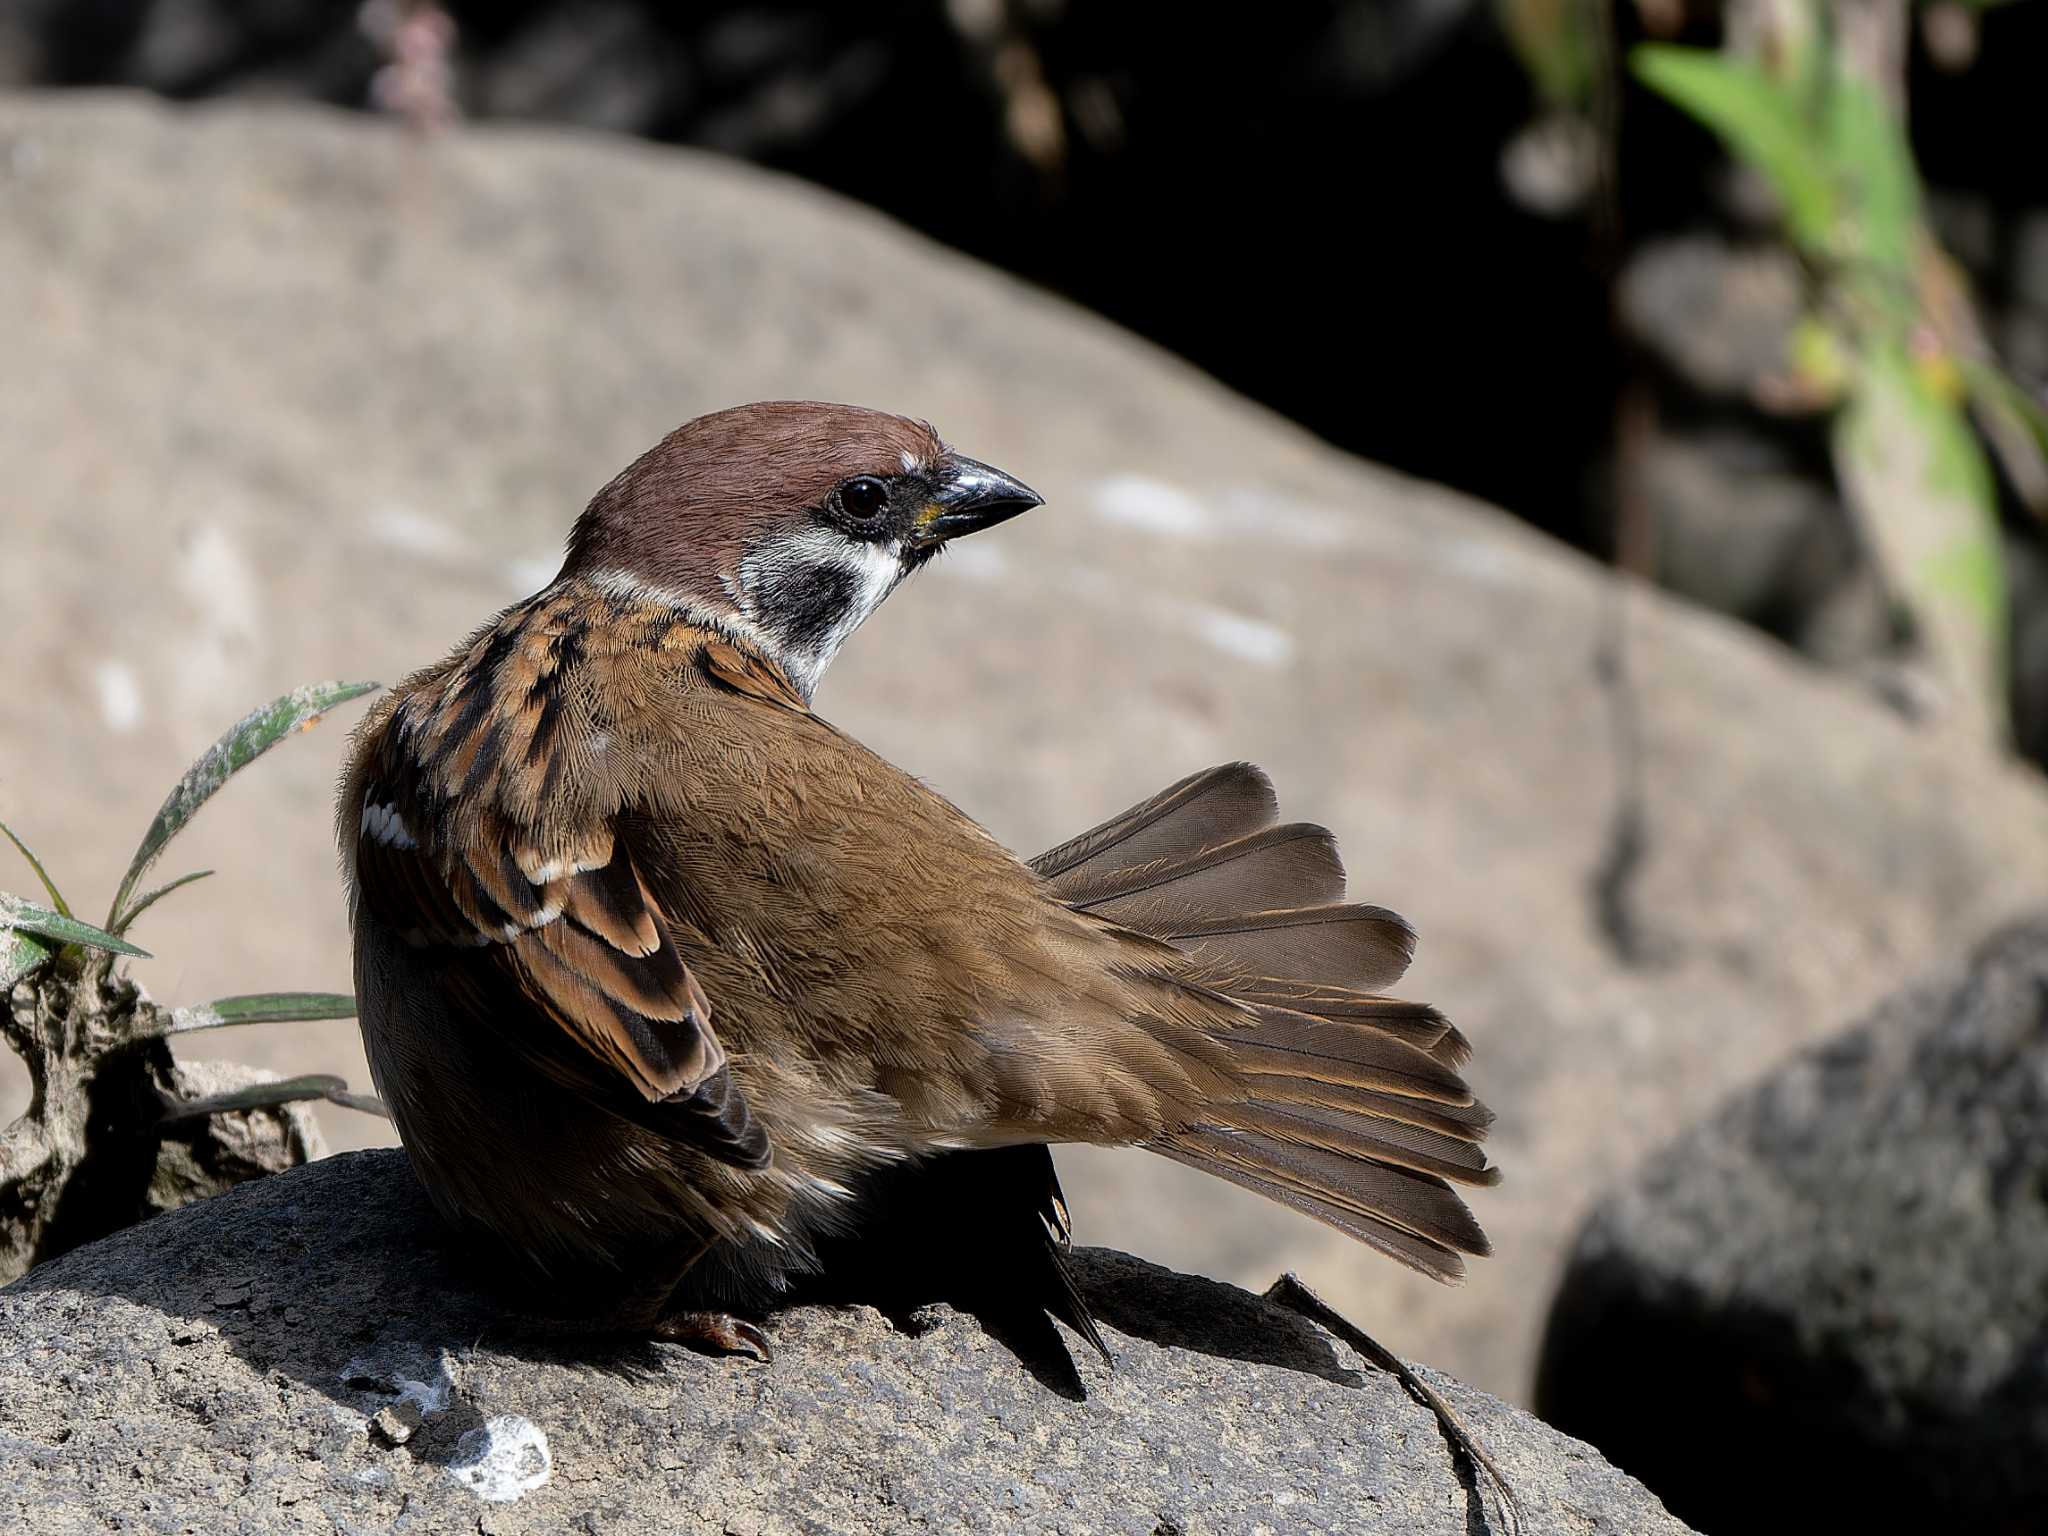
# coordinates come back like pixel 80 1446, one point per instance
pixel 1350 1108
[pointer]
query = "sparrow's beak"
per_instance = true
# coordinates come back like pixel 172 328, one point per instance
pixel 970 496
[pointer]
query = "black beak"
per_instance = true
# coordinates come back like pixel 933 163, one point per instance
pixel 970 496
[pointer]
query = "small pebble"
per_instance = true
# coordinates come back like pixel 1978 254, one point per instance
pixel 397 1424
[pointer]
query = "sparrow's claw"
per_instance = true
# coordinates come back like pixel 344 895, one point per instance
pixel 715 1333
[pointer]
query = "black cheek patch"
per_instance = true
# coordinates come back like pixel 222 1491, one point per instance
pixel 809 603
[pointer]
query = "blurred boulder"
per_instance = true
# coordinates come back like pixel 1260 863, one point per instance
pixel 1742 526
pixel 1744 515
pixel 303 1350
pixel 291 394
pixel 1839 1284
pixel 1714 314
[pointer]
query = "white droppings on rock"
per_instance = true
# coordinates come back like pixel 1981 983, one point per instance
pixel 415 534
pixel 222 584
pixel 1153 506
pixel 1247 639
pixel 505 1460
pixel 216 646
pixel 430 1397
pixel 1295 523
pixel 120 695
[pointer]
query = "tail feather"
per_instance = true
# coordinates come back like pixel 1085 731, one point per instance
pixel 1418 1023
pixel 1466 1122
pixel 1291 866
pixel 1341 1104
pixel 1343 1132
pixel 1432 1258
pixel 1202 811
pixel 1285 1043
pixel 1360 946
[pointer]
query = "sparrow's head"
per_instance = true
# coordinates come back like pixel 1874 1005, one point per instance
pixel 787 521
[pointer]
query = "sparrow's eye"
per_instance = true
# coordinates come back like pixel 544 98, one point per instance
pixel 863 498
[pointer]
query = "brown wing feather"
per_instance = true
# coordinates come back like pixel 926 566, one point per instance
pixel 460 845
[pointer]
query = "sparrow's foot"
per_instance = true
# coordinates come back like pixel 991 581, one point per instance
pixel 715 1333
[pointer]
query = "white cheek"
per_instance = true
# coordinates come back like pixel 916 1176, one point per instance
pixel 874 569
pixel 880 568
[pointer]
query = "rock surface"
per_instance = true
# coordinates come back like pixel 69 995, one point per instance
pixel 290 395
pixel 1840 1284
pixel 300 1353
pixel 232 1147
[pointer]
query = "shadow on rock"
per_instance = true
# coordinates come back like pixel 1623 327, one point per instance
pixel 371 1301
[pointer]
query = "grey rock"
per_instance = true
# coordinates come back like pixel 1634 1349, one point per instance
pixel 292 395
pixel 1717 315
pixel 130 1396
pixel 1839 1284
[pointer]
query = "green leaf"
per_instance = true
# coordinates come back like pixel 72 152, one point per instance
pixel 262 1008
pixel 49 886
pixel 1759 121
pixel 291 1090
pixel 1874 163
pixel 20 953
pixel 157 895
pixel 29 917
pixel 245 741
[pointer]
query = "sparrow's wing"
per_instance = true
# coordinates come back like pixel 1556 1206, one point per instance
pixel 1187 977
pixel 462 846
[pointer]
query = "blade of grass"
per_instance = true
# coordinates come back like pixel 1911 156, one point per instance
pixel 20 953
pixel 1758 120
pixel 290 1090
pixel 157 895
pixel 262 1008
pixel 245 741
pixel 31 917
pixel 50 886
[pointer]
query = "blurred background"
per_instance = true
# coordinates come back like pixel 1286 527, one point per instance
pixel 1593 452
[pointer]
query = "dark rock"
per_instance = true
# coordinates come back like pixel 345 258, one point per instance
pixel 1225 1412
pixel 226 1149
pixel 1743 526
pixel 1838 1288
pixel 2026 569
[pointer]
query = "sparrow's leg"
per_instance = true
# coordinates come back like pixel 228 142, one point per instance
pixel 649 1310
pixel 717 1333
pixel 700 1328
